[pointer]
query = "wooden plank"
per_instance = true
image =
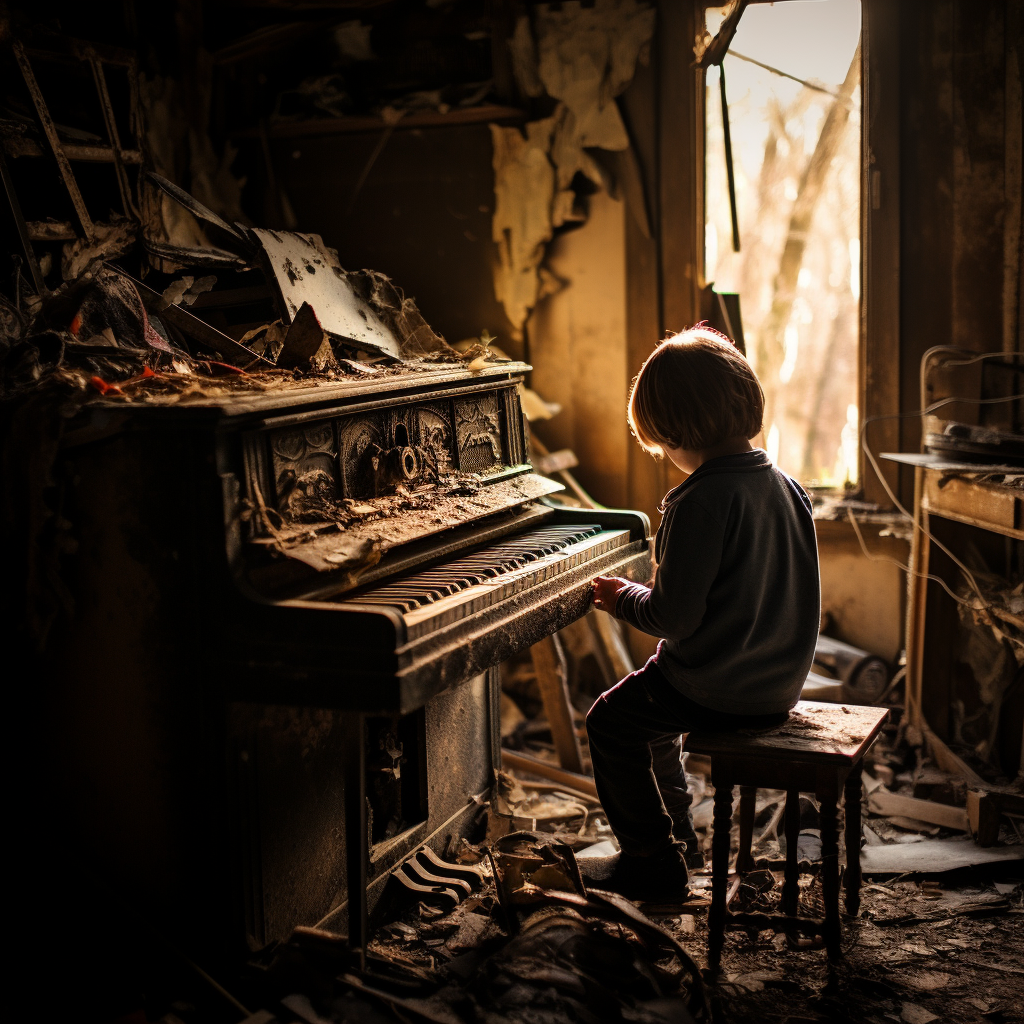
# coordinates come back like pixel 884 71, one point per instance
pixel 947 760
pixel 984 810
pixel 24 231
pixel 421 119
pixel 549 665
pixel 941 626
pixel 554 462
pixel 110 123
pixel 879 368
pixel 920 553
pixel 1013 271
pixel 608 637
pixel 20 147
pixel 645 479
pixel 978 174
pixel 537 446
pixel 885 803
pixel 518 761
pixel 50 231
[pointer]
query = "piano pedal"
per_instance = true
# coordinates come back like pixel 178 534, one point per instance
pixel 441 868
pixel 416 881
pixel 410 884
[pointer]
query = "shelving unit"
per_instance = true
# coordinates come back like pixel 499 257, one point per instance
pixel 961 511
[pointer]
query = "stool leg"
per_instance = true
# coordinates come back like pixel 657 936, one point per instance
pixel 748 798
pixel 791 887
pixel 722 824
pixel 828 795
pixel 852 796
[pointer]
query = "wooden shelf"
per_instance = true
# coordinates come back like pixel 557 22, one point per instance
pixel 977 503
pixel 357 125
pixel 932 620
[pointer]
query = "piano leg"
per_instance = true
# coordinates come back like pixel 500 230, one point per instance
pixel 355 835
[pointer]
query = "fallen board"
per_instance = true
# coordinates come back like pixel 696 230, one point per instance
pixel 304 270
pixel 933 856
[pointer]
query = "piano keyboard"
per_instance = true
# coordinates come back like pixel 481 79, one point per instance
pixel 445 593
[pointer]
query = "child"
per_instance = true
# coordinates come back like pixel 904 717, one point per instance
pixel 735 597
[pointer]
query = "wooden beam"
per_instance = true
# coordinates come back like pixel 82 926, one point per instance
pixel 879 376
pixel 886 804
pixel 53 141
pixel 549 665
pixel 355 125
pixel 19 147
pixel 535 766
pixel 610 644
pixel 925 100
pixel 639 106
pixel 681 164
pixel 1013 226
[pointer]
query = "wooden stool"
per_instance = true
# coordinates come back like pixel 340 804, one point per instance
pixel 817 750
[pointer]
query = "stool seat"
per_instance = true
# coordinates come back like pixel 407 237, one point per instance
pixel 818 749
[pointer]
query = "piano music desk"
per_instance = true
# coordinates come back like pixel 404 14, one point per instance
pixel 817 750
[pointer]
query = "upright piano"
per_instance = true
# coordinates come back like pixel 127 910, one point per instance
pixel 279 676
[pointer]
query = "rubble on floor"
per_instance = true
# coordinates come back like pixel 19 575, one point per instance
pixel 521 930
pixel 938 938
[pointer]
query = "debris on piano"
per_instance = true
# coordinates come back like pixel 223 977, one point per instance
pixel 139 319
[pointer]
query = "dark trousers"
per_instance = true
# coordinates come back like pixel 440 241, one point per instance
pixel 635 731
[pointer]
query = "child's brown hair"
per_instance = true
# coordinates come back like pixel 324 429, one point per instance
pixel 695 390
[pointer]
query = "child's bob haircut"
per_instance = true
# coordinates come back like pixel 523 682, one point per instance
pixel 695 391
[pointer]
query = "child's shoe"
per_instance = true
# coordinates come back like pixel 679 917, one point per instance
pixel 685 836
pixel 693 857
pixel 662 878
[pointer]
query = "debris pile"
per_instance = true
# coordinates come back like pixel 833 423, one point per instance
pixel 105 331
pixel 534 943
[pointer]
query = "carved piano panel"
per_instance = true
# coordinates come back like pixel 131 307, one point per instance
pixel 395 449
pixel 305 466
pixel 478 427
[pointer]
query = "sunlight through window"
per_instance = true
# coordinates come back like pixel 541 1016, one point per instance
pixel 793 85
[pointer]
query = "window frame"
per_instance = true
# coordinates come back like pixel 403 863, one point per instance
pixel 878 384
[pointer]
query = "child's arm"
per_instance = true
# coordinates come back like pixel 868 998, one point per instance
pixel 689 553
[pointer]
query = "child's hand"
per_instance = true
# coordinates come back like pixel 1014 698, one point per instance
pixel 606 591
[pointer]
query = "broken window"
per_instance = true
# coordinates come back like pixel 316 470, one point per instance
pixel 792 77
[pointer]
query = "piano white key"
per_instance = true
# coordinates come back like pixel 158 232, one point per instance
pixel 483 595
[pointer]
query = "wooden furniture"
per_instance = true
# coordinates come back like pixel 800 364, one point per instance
pixel 960 509
pixel 945 503
pixel 818 750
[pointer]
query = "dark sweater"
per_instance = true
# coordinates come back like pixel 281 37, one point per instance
pixel 736 595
